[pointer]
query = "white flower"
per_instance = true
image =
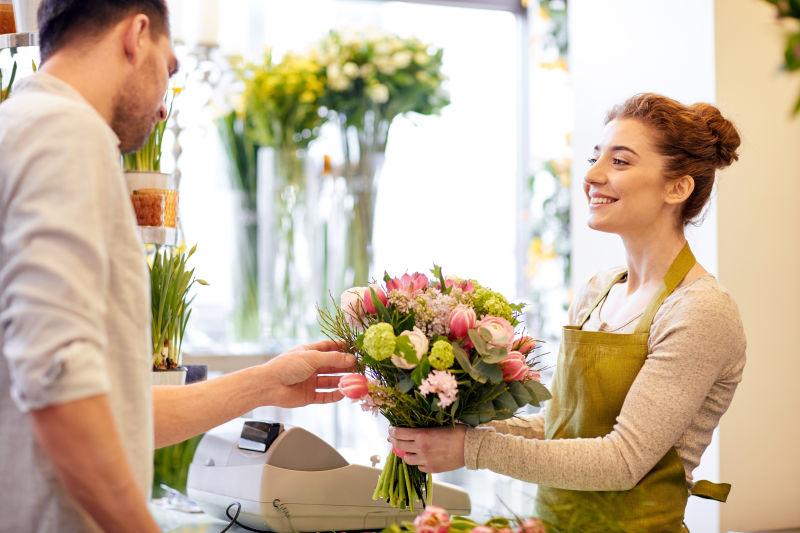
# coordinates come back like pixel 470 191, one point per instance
pixel 402 59
pixel 383 48
pixel 385 65
pixel 367 70
pixel 378 93
pixel 352 304
pixel 339 83
pixel 421 59
pixel 420 343
pixel 351 70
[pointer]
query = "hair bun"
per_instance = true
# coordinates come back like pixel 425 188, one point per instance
pixel 725 132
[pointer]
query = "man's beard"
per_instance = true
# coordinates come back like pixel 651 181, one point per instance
pixel 132 118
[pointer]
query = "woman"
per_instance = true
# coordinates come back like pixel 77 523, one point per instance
pixel 653 352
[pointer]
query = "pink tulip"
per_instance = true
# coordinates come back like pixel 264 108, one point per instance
pixel 462 319
pixel 466 285
pixel 482 529
pixel 531 525
pixel 408 284
pixel 434 520
pixel 369 305
pixel 354 386
pixel 524 345
pixel 514 367
pixel 501 330
pixel 352 303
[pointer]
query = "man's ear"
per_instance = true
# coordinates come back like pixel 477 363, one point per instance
pixel 679 190
pixel 135 34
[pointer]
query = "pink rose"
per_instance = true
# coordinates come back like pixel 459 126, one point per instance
pixel 524 345
pixel 434 520
pixel 353 386
pixel 369 305
pixel 408 284
pixel 462 319
pixel 531 525
pixel 514 367
pixel 501 330
pixel 482 529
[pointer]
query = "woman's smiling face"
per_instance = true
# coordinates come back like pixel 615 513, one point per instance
pixel 625 184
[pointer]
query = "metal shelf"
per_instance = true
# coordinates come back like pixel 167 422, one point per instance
pixel 18 40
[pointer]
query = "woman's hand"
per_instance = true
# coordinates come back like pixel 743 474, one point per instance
pixel 432 450
pixel 303 375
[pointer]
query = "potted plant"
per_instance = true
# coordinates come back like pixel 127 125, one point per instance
pixel 154 193
pixel 171 280
pixel 5 91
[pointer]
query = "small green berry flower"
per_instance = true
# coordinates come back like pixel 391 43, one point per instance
pixel 379 341
pixel 441 357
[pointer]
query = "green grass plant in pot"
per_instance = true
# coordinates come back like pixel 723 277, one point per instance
pixel 171 281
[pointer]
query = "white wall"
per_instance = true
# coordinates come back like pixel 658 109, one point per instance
pixel 759 262
pixel 619 48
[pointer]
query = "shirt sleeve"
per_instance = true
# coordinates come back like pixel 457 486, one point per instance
pixel 691 343
pixel 54 272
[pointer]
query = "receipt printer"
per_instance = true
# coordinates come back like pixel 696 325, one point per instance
pixel 287 479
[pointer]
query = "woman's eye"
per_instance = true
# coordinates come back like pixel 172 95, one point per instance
pixel 592 160
pixel 619 161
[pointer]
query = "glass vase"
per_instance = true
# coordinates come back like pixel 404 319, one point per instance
pixel 289 246
pixel 246 310
pixel 364 154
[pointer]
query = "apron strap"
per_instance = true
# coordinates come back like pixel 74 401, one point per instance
pixel 711 491
pixel 602 296
pixel 681 266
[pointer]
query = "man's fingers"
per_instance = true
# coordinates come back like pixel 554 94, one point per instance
pixel 327 382
pixel 324 346
pixel 335 361
pixel 328 397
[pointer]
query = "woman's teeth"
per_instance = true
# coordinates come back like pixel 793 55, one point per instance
pixel 597 200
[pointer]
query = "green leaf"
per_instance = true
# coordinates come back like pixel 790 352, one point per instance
pixel 506 402
pixel 487 413
pixel 538 391
pixel 382 312
pixel 494 355
pixel 492 372
pixel 405 349
pixel 454 407
pixel 405 384
pixel 521 394
pixel 421 372
pixel 470 419
pixel 480 345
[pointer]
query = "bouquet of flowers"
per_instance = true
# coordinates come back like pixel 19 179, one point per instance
pixel 432 353
pixel 437 520
pixel 380 74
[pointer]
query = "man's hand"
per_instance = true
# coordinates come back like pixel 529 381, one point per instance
pixel 303 375
pixel 432 450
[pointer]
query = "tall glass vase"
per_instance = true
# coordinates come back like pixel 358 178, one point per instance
pixel 364 150
pixel 289 246
pixel 246 312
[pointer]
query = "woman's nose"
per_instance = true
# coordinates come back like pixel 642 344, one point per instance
pixel 595 174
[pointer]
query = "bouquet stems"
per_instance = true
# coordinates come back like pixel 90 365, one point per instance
pixel 401 485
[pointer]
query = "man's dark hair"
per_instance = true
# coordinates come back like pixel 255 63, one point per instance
pixel 60 21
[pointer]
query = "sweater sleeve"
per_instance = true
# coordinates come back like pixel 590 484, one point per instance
pixel 692 340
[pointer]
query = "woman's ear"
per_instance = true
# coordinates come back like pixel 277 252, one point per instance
pixel 679 190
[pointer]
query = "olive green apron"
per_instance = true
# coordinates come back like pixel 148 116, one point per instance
pixel 594 373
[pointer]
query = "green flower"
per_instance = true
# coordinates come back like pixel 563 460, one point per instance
pixel 441 357
pixel 379 341
pixel 488 302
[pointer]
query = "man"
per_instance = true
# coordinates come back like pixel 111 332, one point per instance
pixel 78 416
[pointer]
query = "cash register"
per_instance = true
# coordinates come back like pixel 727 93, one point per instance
pixel 286 479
